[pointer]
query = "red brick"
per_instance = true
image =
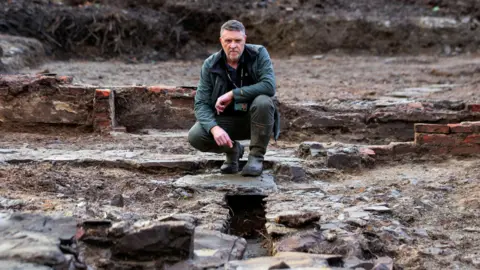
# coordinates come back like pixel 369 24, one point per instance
pixel 466 149
pixel 460 128
pixel 161 89
pixel 473 138
pixel 102 93
pixel 431 128
pixel 65 79
pixel 474 107
pixel 102 115
pixel 103 124
pixel 436 139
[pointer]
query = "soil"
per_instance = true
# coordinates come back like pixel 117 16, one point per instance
pixel 304 78
pixel 440 197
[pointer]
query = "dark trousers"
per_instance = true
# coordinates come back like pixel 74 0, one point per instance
pixel 260 115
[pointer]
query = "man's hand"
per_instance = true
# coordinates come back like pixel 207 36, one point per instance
pixel 223 101
pixel 221 137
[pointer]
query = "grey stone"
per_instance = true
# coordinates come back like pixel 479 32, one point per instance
pixel 421 232
pixel 117 200
pixel 311 149
pixel 294 219
pixel 15 265
pixel 377 208
pixel 55 227
pixel 290 172
pixel 295 260
pixel 233 183
pixel 10 203
pixel 180 217
pixel 353 262
pixel 347 244
pixel 30 247
pixel 344 161
pixel 218 246
pixel 383 263
pixel 278 229
pixel 147 240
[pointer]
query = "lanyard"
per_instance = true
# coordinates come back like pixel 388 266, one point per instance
pixel 241 78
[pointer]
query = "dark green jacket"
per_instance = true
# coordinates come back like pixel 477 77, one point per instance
pixel 213 81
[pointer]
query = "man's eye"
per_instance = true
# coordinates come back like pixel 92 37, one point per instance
pixel 238 40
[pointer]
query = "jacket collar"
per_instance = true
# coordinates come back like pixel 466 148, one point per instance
pixel 248 55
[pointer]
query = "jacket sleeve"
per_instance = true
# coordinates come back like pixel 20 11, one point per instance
pixel 202 106
pixel 266 80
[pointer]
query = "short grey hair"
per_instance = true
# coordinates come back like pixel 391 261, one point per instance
pixel 232 25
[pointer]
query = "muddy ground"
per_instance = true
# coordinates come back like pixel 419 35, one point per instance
pixel 434 199
pixel 309 78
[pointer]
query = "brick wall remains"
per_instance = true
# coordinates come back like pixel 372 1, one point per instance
pixel 455 139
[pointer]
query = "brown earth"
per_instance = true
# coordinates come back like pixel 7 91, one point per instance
pixel 304 78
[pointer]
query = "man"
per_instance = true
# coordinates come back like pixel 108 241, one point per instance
pixel 234 102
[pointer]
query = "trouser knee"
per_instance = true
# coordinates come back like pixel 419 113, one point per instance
pixel 262 110
pixel 198 138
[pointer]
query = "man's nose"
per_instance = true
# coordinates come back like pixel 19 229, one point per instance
pixel 233 45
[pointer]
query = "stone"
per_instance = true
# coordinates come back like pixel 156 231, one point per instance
pixel 232 183
pixel 147 240
pixel 347 244
pixel 295 260
pixel 15 265
pixel 180 217
pixel 217 245
pixel 278 229
pixel 383 263
pixel 294 219
pixel 311 149
pixel 353 262
pixel 31 247
pixel 117 200
pixel 343 161
pixel 377 208
pixel 290 172
pixel 6 203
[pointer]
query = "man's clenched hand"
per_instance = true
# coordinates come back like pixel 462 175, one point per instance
pixel 223 101
pixel 221 137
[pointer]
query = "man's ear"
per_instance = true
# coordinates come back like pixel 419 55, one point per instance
pixel 220 39
pixel 245 38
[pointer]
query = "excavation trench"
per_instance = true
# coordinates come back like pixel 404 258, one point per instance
pixel 247 214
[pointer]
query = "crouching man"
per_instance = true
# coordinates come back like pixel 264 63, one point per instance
pixel 234 102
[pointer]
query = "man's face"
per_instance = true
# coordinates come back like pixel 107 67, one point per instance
pixel 233 43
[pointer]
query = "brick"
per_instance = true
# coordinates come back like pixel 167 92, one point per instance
pixel 381 150
pixel 103 124
pixel 466 149
pixel 474 107
pixel 105 93
pixel 431 128
pixel 436 139
pixel 461 128
pixel 102 115
pixel 400 148
pixel 473 138
pixel 65 79
pixel 160 89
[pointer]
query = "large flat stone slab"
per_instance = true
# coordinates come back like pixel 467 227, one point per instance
pixel 230 183
pixel 286 260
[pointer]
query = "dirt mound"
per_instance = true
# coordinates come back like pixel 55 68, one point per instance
pixel 161 29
